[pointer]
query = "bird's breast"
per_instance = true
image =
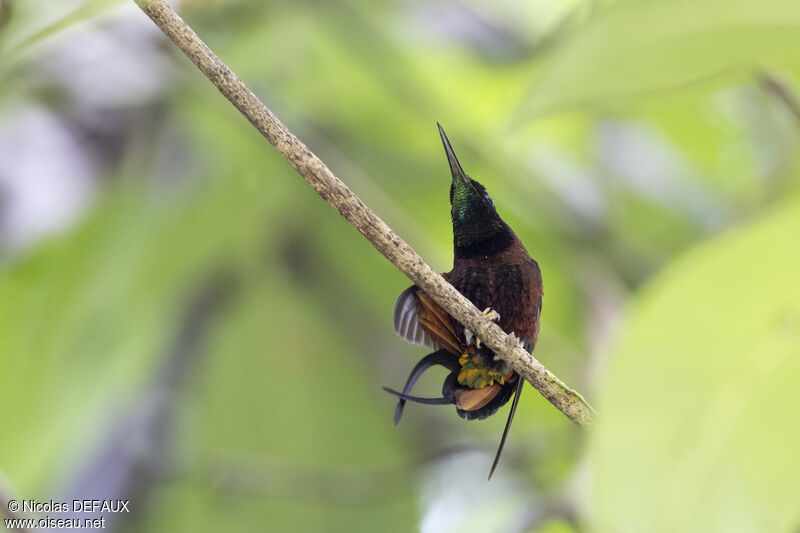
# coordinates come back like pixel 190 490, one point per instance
pixel 512 289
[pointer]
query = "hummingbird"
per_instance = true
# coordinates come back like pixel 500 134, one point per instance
pixel 492 269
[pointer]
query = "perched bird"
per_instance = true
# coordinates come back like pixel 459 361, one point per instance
pixel 494 271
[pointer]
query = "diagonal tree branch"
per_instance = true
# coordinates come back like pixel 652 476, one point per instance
pixel 361 217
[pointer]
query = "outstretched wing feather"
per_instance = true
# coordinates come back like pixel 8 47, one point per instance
pixel 406 319
pixel 420 320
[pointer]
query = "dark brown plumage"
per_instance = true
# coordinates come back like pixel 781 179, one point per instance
pixel 494 271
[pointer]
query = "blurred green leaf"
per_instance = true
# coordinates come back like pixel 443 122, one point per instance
pixel 287 432
pixel 34 21
pixel 86 317
pixel 640 47
pixel 555 526
pixel 287 407
pixel 700 400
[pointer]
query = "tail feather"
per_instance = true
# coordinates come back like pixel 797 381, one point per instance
pixel 513 410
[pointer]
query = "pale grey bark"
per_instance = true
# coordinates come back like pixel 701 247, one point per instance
pixel 361 217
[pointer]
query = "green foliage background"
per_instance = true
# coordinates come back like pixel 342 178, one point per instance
pixel 638 148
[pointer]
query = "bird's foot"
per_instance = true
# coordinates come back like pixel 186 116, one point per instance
pixel 521 342
pixel 492 315
pixel 468 336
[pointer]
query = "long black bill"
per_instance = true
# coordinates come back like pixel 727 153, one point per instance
pixel 441 357
pixel 520 383
pixel 455 166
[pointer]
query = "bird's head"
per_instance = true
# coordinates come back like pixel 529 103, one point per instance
pixel 476 224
